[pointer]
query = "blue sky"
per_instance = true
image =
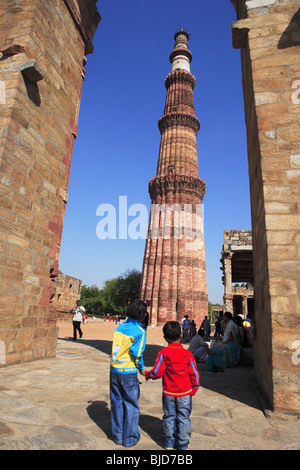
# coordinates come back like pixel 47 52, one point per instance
pixel 117 146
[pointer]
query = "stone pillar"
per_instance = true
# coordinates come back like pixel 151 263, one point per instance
pixel 267 32
pixel 245 306
pixel 227 273
pixel 228 295
pixel 41 69
pixel 174 269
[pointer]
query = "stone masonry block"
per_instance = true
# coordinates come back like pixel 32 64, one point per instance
pixel 250 4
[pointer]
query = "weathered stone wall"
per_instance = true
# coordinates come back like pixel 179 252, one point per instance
pixel 67 292
pixel 237 239
pixel 267 31
pixel 42 68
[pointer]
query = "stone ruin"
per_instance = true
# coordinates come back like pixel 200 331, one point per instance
pixel 237 267
pixel 68 291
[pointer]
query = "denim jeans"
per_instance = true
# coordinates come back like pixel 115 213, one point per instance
pixel 176 421
pixel 125 412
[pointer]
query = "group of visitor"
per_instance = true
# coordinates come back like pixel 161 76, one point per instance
pixel 189 328
pixel 224 350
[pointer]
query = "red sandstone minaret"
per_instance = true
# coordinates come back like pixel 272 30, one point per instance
pixel 174 269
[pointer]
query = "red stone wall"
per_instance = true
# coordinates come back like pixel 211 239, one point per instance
pixel 42 67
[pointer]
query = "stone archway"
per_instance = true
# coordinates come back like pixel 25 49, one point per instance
pixel 41 80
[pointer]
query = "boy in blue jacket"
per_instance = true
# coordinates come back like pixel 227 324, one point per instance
pixel 129 341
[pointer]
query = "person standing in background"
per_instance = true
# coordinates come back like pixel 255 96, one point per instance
pixel 78 311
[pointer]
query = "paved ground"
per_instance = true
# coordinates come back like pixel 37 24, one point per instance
pixel 63 403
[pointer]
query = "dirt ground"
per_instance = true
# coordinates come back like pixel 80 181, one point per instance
pixel 104 330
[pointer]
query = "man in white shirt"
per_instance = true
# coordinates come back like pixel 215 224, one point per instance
pixel 77 319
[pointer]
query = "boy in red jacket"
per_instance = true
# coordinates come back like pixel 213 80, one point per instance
pixel 180 380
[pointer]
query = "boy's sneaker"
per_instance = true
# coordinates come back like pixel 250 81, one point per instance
pixel 177 447
pixel 168 446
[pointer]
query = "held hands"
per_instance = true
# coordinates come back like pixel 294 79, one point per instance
pixel 144 373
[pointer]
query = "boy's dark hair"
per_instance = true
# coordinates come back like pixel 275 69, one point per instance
pixel 201 332
pixel 172 330
pixel 136 310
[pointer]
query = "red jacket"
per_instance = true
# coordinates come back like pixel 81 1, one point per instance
pixel 177 368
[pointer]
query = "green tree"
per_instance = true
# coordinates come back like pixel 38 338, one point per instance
pixel 93 305
pixel 109 295
pixel 118 291
pixel 114 295
pixel 92 299
pixel 129 286
pixel 88 292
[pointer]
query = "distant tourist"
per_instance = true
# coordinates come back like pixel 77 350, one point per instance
pixel 193 330
pixel 218 328
pixel 206 327
pixel 78 311
pixel 186 324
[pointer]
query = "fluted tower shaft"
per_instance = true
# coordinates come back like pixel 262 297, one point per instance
pixel 174 270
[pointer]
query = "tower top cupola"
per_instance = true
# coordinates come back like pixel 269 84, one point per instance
pixel 181 57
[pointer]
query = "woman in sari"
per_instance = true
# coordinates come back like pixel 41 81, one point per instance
pixel 226 352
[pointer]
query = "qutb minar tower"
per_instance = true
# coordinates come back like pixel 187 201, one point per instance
pixel 174 270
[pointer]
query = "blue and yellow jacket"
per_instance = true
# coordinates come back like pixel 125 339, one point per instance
pixel 129 341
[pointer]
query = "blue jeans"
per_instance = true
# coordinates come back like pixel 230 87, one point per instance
pixel 176 421
pixel 125 412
